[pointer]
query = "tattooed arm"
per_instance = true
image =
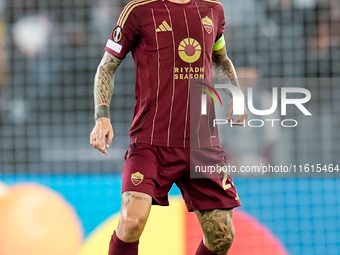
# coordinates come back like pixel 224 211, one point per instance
pixel 223 68
pixel 103 91
pixel 104 84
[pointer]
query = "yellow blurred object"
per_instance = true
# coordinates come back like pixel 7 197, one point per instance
pixel 35 220
pixel 3 189
pixel 163 232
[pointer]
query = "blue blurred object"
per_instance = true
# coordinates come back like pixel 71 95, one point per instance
pixel 303 213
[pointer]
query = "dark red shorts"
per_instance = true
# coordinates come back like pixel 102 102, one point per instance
pixel 153 170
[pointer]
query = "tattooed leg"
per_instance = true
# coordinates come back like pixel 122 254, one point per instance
pixel 133 216
pixel 218 229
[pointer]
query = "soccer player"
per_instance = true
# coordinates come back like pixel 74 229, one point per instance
pixel 172 43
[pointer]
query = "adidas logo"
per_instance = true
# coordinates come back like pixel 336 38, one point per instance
pixel 163 27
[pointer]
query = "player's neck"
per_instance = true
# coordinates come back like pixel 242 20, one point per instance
pixel 179 1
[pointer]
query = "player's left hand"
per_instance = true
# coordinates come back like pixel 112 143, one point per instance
pixel 240 119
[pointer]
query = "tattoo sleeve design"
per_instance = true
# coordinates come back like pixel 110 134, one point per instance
pixel 140 198
pixel 223 68
pixel 126 199
pixel 218 229
pixel 127 195
pixel 104 84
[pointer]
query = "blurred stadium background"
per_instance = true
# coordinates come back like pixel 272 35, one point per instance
pixel 49 51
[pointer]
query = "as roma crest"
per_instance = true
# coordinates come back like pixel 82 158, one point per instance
pixel 207 24
pixel 137 178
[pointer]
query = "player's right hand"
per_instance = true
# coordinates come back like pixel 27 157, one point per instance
pixel 101 135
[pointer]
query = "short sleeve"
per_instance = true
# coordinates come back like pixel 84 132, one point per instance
pixel 221 22
pixel 125 34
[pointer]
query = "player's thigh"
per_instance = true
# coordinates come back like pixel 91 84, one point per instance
pixel 218 229
pixel 133 215
pixel 135 206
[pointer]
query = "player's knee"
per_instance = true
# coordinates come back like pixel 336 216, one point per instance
pixel 134 224
pixel 221 242
pixel 130 228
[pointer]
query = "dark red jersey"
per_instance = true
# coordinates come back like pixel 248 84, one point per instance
pixel 171 44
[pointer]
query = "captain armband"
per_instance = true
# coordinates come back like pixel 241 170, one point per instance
pixel 219 44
